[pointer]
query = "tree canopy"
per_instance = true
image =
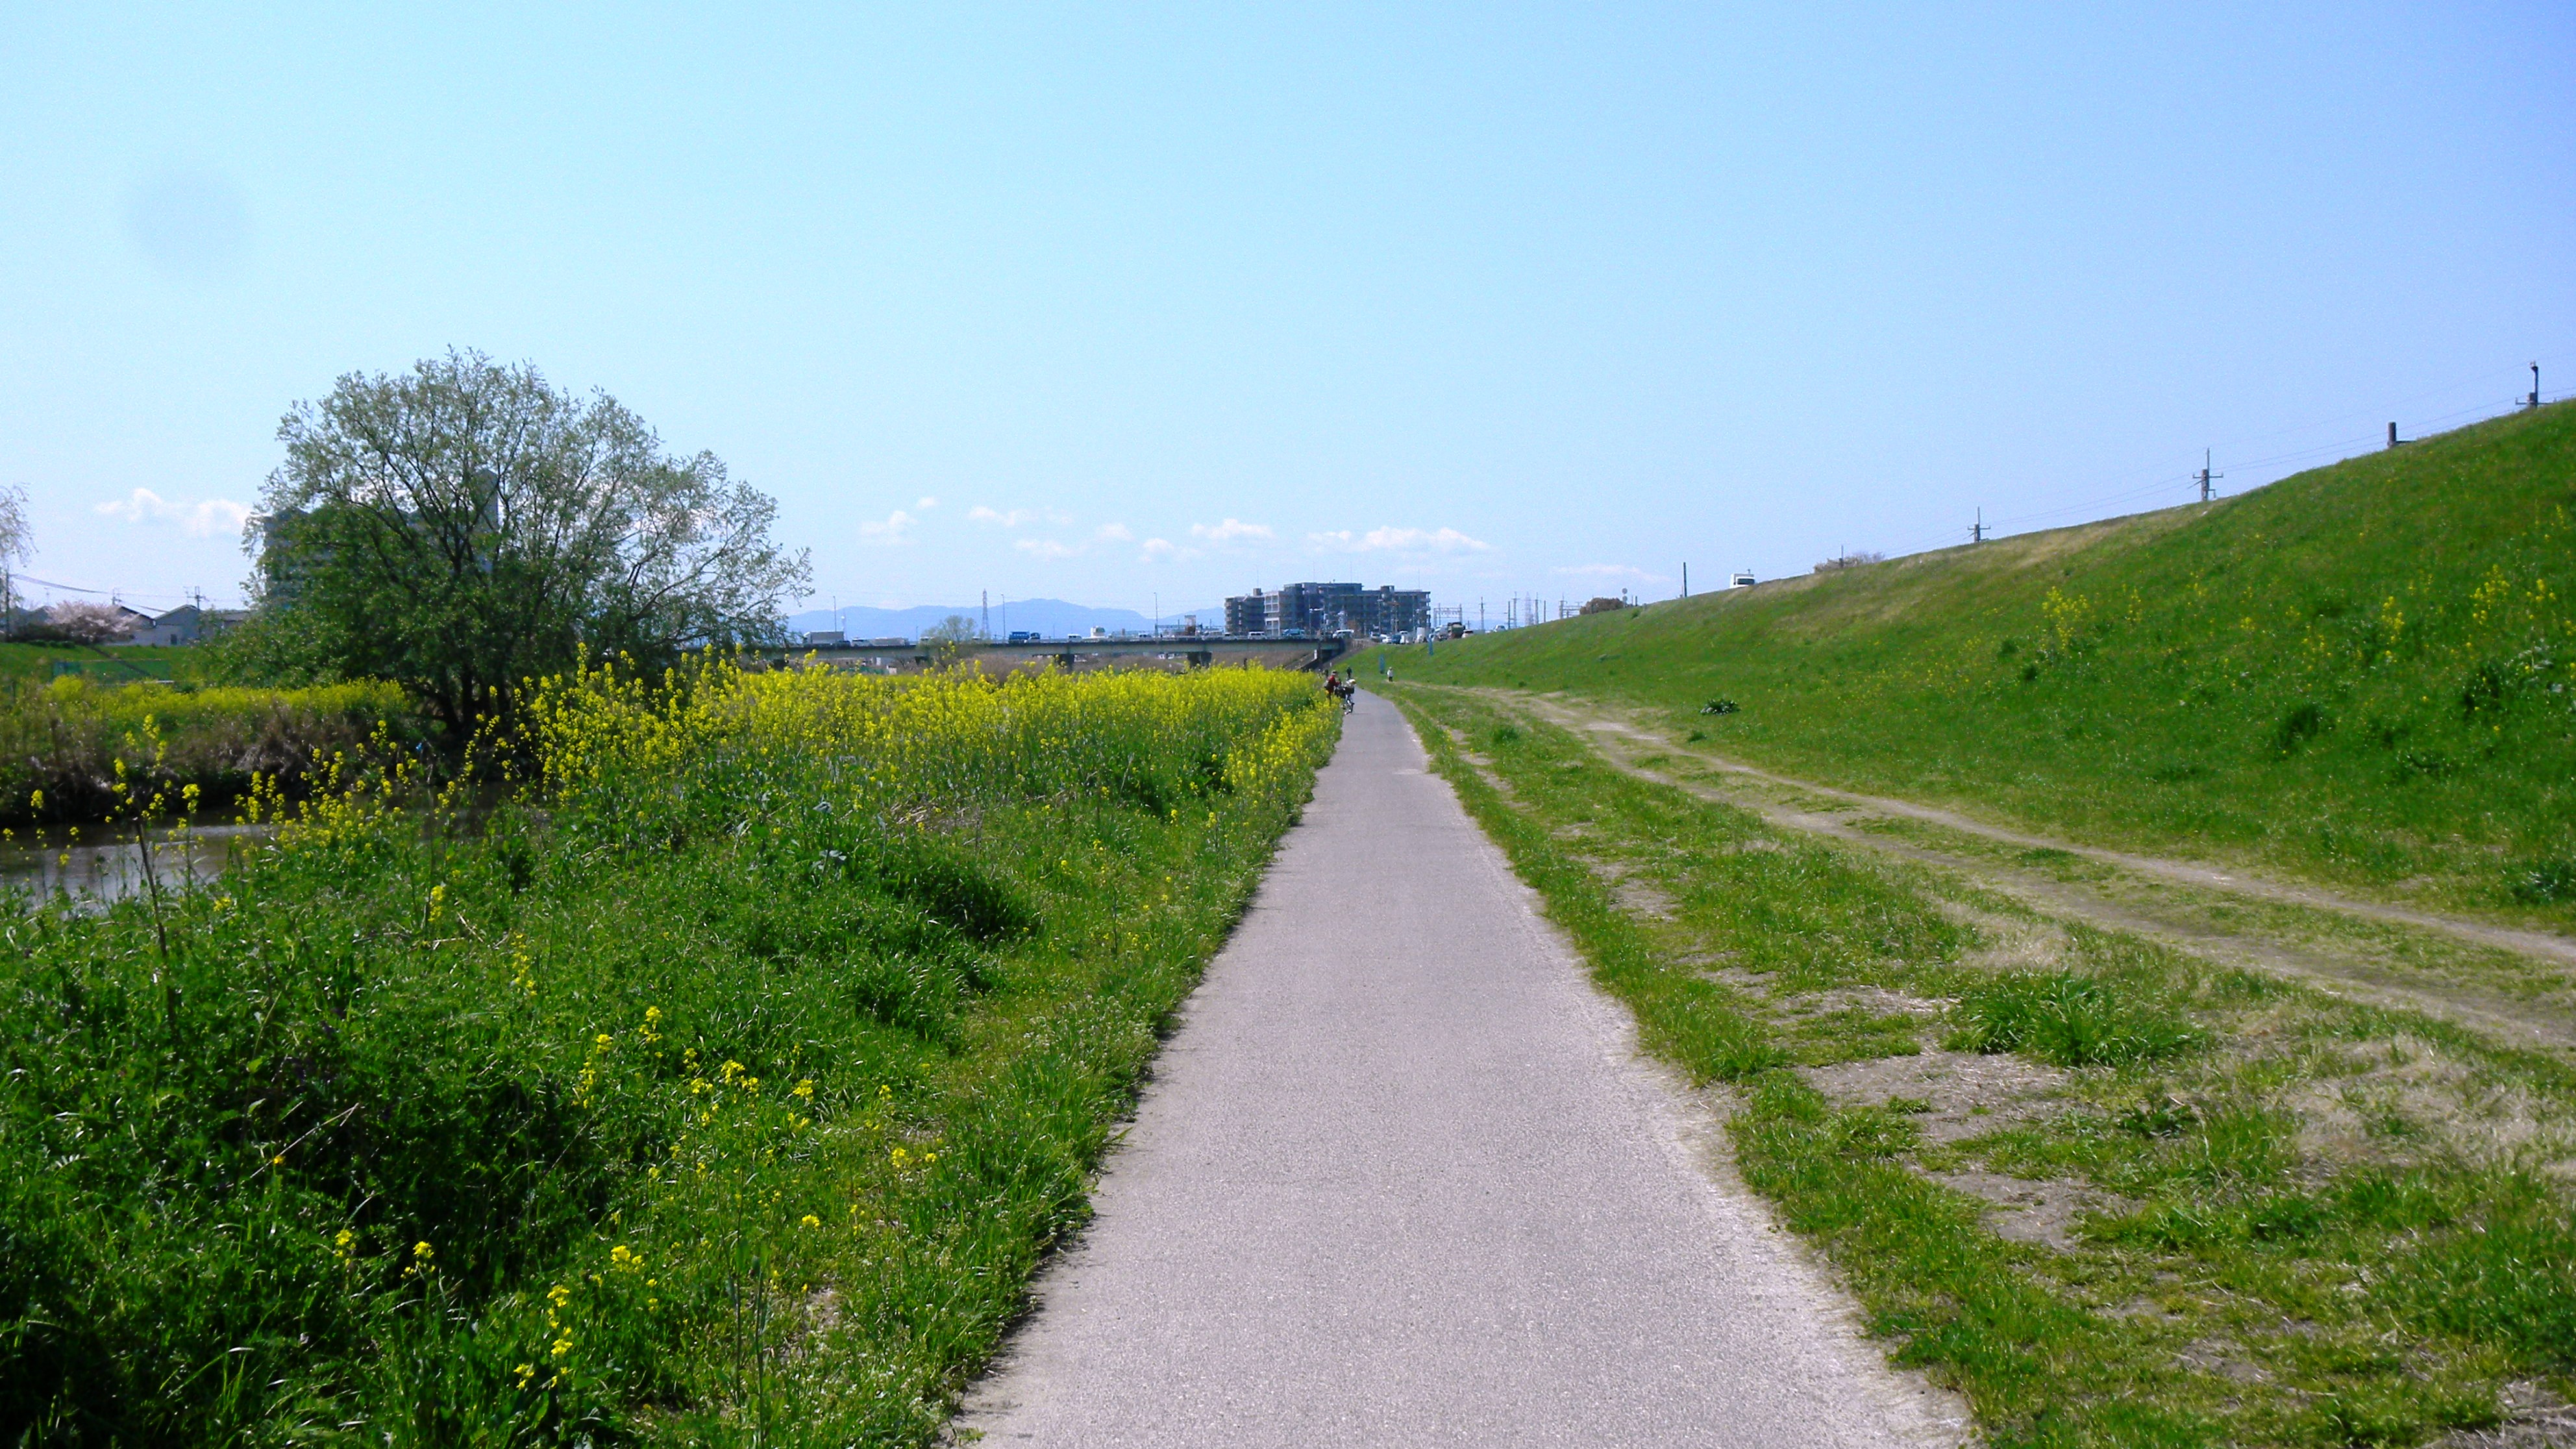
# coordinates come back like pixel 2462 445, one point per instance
pixel 464 526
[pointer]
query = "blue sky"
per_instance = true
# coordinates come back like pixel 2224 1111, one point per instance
pixel 1111 304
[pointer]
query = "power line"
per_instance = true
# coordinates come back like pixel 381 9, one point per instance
pixel 2338 449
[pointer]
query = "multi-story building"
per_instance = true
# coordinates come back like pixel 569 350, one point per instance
pixel 1399 612
pixel 1247 614
pixel 1317 610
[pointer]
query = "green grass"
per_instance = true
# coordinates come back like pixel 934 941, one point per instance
pixel 2294 1220
pixel 2364 675
pixel 126 662
pixel 2063 1018
pixel 61 740
pixel 723 1090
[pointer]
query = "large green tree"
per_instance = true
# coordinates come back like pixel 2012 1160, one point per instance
pixel 464 526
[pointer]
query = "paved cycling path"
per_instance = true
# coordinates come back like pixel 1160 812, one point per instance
pixel 1401 1179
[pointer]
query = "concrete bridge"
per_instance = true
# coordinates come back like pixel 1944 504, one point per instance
pixel 1170 652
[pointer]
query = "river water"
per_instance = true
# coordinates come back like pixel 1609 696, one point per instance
pixel 99 866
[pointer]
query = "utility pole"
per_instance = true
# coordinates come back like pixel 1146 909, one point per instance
pixel 1685 581
pixel 2533 401
pixel 1157 630
pixel 1977 530
pixel 2205 475
pixel 984 605
pixel 1480 616
pixel 2392 435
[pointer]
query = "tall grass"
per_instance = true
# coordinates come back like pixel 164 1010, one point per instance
pixel 721 1088
pixel 60 740
pixel 2063 1018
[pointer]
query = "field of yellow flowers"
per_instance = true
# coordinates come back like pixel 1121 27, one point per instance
pixel 723 1084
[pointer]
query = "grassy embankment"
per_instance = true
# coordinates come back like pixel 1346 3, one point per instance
pixel 60 741
pixel 2364 675
pixel 2115 1194
pixel 182 664
pixel 724 1090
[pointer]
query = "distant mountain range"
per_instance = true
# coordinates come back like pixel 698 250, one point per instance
pixel 1052 617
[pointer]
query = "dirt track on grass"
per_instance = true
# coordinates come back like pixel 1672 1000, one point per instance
pixel 2547 1024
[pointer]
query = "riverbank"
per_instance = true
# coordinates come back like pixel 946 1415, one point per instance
pixel 727 1083
pixel 66 744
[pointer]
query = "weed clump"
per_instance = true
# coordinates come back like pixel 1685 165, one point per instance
pixel 2305 721
pixel 951 887
pixel 2064 1018
pixel 2546 882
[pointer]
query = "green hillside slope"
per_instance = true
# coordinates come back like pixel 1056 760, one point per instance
pixel 2360 674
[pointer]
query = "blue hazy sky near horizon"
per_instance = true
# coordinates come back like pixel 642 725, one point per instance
pixel 1111 304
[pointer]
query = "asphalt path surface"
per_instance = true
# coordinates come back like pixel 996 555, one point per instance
pixel 1401 1178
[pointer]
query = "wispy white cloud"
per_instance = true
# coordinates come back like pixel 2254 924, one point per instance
pixel 1049 548
pixel 1230 530
pixel 927 503
pixel 200 519
pixel 1013 518
pixel 896 528
pixel 1400 540
pixel 1114 533
pixel 1163 550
